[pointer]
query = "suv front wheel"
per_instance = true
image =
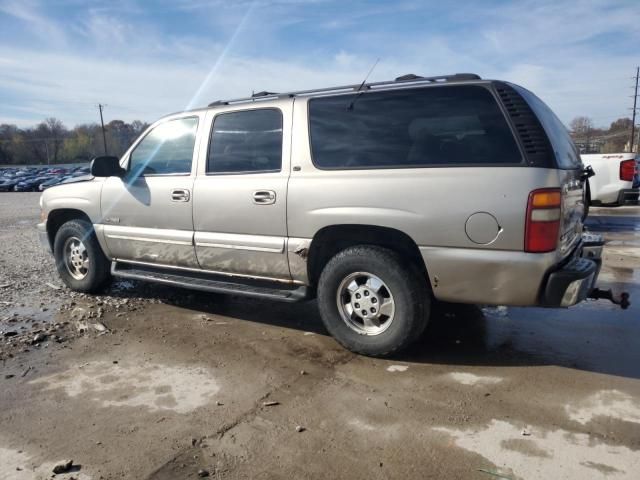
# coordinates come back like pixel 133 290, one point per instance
pixel 79 259
pixel 373 302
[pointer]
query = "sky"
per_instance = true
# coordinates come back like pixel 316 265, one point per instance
pixel 145 59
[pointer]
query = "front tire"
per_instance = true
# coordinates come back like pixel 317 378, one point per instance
pixel 372 301
pixel 81 264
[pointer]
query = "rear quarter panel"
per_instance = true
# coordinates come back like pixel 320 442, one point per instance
pixel 431 205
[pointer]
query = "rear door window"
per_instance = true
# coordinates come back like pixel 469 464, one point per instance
pixel 437 126
pixel 246 141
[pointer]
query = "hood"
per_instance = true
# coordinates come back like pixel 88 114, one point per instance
pixel 83 178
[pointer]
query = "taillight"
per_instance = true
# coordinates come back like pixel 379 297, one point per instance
pixel 543 220
pixel 627 170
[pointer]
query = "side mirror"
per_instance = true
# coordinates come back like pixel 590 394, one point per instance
pixel 106 166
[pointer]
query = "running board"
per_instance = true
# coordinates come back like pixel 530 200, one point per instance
pixel 211 283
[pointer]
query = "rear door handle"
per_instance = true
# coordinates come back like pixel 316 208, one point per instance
pixel 264 197
pixel 180 195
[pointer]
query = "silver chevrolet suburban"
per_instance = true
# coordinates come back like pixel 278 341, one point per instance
pixel 376 198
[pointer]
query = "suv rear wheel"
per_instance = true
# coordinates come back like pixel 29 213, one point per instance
pixel 373 302
pixel 79 259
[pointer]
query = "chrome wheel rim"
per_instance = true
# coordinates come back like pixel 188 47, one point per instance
pixel 76 258
pixel 365 303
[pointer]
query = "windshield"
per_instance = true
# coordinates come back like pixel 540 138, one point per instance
pixel 566 153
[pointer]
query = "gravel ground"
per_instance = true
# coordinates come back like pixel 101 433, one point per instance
pixel 181 384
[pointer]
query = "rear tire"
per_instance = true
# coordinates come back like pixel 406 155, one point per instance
pixel 80 261
pixel 372 301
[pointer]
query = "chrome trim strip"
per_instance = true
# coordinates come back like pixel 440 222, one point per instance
pixel 234 241
pixel 152 240
pixel 215 272
pixel 239 247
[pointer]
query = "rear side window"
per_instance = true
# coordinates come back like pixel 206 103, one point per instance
pixel 166 150
pixel 453 125
pixel 567 155
pixel 246 141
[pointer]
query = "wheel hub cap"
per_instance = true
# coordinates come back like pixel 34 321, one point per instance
pixel 365 303
pixel 76 258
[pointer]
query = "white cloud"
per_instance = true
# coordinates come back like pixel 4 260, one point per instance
pixel 27 12
pixel 141 71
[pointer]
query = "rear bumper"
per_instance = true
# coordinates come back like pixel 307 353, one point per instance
pixel 628 196
pixel 572 282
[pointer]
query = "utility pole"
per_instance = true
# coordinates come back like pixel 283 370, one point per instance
pixel 633 117
pixel 46 147
pixel 104 135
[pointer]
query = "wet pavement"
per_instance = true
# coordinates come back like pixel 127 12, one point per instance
pixel 182 382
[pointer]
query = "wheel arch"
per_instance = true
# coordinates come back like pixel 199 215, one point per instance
pixel 58 217
pixel 331 239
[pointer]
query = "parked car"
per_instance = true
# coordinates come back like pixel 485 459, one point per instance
pixel 377 199
pixel 616 178
pixel 7 184
pixel 52 181
pixel 29 184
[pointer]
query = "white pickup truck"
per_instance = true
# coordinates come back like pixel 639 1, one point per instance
pixel 616 179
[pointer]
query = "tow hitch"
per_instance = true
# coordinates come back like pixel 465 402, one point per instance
pixel 622 299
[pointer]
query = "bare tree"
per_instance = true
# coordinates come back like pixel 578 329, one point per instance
pixel 581 126
pixel 621 125
pixel 56 130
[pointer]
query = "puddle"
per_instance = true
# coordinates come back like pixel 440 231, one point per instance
pixel 499 311
pixel 121 285
pixel 153 386
pixel 27 317
pixel 605 403
pixel 17 465
pixel 546 453
pixel 471 379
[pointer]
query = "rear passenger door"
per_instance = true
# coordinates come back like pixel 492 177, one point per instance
pixel 240 193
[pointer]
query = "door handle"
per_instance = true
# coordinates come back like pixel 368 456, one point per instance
pixel 180 195
pixel 264 197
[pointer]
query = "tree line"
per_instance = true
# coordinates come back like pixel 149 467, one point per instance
pixel 50 142
pixel 591 139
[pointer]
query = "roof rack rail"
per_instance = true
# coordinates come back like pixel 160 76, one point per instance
pixel 264 93
pixel 404 79
pixel 408 76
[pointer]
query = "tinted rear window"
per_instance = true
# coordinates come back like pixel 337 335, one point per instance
pixel 246 141
pixel 456 125
pixel 567 155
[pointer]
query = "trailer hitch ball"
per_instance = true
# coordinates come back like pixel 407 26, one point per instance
pixel 622 299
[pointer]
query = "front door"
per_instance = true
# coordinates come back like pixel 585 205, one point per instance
pixel 239 211
pixel 147 214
